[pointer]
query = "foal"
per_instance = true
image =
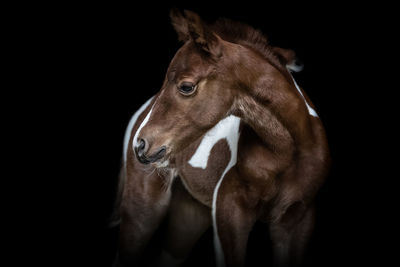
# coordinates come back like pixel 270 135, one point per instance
pixel 269 168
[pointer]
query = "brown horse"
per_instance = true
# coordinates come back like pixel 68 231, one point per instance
pixel 244 139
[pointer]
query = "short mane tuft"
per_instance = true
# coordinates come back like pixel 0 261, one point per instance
pixel 246 35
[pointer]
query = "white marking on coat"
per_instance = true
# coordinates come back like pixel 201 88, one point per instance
pixel 231 129
pixel 294 67
pixel 220 131
pixel 144 122
pixel 311 111
pixel 131 125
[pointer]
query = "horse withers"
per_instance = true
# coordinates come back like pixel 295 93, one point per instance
pixel 241 135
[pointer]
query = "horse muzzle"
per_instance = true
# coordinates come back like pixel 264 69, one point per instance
pixel 141 149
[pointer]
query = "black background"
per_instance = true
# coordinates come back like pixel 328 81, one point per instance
pixel 89 67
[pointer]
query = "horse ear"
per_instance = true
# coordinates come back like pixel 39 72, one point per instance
pixel 180 24
pixel 202 36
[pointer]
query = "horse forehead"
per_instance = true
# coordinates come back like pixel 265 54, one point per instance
pixel 227 128
pixel 186 59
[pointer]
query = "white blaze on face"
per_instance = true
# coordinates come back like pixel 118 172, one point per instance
pixel 144 122
pixel 130 126
pixel 228 129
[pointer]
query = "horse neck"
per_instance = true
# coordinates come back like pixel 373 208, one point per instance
pixel 269 103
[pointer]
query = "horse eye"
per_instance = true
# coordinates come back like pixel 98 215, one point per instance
pixel 187 88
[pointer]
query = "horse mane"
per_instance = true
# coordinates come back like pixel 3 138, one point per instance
pixel 243 34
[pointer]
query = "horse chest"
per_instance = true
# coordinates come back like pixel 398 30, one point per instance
pixel 201 182
pixel 206 161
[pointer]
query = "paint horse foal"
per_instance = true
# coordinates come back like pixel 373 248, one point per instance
pixel 268 168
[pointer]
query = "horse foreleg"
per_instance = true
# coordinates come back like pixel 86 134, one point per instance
pixel 188 219
pixel 233 218
pixel 144 205
pixel 290 234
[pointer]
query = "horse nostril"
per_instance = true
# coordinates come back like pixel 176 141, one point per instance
pixel 142 144
pixel 160 153
pixel 140 147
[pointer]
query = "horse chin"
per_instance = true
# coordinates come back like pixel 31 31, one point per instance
pixel 162 164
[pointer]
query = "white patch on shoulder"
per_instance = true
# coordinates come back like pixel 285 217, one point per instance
pixel 230 127
pixel 311 111
pixel 130 126
pixel 223 129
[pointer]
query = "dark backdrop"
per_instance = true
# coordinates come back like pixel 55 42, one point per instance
pixel 100 62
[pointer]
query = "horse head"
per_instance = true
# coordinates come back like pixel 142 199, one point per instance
pixel 204 82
